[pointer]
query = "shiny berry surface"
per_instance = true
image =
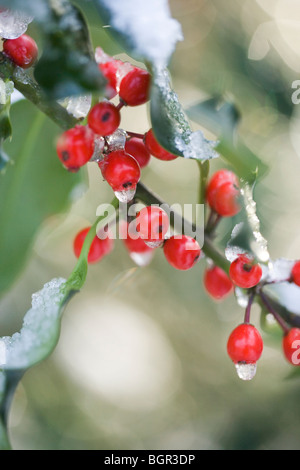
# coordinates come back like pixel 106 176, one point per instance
pixel 217 180
pixel 120 170
pixel 23 51
pixel 245 344
pixel 182 252
pixel 155 149
pixel 98 249
pixel 291 346
pixel 217 283
pixel 75 147
pixel 226 200
pixel 104 118
pixel 296 273
pixel 137 149
pixel 135 87
pixel 110 71
pixel 152 223
pixel 244 272
pixel 133 242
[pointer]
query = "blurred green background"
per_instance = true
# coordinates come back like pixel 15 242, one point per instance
pixel 141 362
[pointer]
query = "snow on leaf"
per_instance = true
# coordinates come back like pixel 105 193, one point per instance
pixel 147 28
pixel 40 329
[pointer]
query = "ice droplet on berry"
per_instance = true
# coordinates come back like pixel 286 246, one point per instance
pixel 125 196
pixel 245 371
pixel 13 23
pixel 79 106
pixel 154 244
pixel 117 140
pixel 142 259
pixel 99 145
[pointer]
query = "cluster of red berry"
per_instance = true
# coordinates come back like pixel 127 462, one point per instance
pixel 245 344
pixel 121 169
pixel 120 163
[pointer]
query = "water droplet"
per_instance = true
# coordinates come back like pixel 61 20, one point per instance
pixel 126 195
pixel 142 259
pixel 245 371
pixel 117 140
pixel 155 244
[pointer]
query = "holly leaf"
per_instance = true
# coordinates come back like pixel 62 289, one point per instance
pixel 222 119
pixel 67 66
pixel 35 187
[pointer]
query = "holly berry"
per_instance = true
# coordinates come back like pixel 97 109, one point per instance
pixel 226 200
pixel 134 243
pixel 75 147
pixel 110 71
pixel 152 224
pixel 23 51
pixel 104 118
pixel 120 170
pixel 291 346
pixel 155 149
pixel 217 283
pixel 296 273
pixel 217 180
pixel 182 252
pixel 137 149
pixel 244 272
pixel 245 344
pixel 98 249
pixel 135 87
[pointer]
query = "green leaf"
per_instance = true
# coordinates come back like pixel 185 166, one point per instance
pixel 170 124
pixel 222 118
pixel 41 327
pixel 67 66
pixel 34 188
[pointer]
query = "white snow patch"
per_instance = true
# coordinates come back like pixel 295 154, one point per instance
pixel 39 329
pixel 152 31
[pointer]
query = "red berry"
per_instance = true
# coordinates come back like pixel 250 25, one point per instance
pixel 75 147
pixel 98 249
pixel 244 272
pixel 110 71
pixel 120 170
pixel 104 118
pixel 217 180
pixel 133 242
pixel 182 252
pixel 137 149
pixel 217 283
pixel 156 149
pixel 135 87
pixel 226 200
pixel 291 346
pixel 296 273
pixel 23 51
pixel 245 344
pixel 152 224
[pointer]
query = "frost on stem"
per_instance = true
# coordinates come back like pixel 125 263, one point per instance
pixel 260 244
pixel 6 90
pixel 148 26
pixel 39 331
pixel 13 23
